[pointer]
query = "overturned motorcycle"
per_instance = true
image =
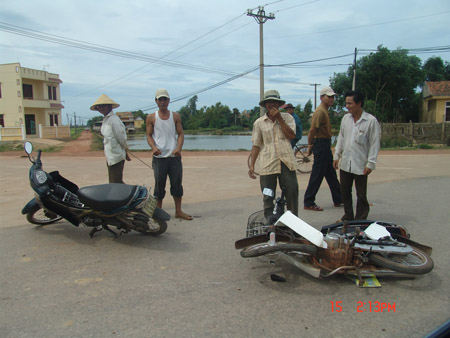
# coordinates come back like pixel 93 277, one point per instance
pixel 126 207
pixel 358 248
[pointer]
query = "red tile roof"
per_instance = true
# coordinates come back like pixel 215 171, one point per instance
pixel 441 88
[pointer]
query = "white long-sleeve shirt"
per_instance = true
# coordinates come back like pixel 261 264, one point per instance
pixel 114 139
pixel 358 143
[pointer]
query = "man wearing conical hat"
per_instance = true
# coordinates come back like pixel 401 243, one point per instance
pixel 114 138
pixel 271 138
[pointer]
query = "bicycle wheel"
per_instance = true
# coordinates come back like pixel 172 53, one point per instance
pixel 261 249
pixel 415 263
pixel 304 162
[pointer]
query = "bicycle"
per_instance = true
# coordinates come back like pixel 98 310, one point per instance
pixel 304 162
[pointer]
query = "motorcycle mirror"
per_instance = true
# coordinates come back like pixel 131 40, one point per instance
pixel 28 147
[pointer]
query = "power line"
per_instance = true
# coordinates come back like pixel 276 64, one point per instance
pixel 361 26
pixel 104 49
pixel 299 5
pixel 123 77
pixel 185 96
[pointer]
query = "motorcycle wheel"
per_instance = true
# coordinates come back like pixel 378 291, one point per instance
pixel 150 226
pixel 261 249
pixel 41 216
pixel 415 263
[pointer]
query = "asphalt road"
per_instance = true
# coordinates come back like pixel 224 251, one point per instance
pixel 190 282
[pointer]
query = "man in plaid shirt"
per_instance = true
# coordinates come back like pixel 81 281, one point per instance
pixel 271 138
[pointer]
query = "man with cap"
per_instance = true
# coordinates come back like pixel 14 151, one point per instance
pixel 356 154
pixel 114 138
pixel 319 142
pixel 271 138
pixel 298 124
pixel 165 136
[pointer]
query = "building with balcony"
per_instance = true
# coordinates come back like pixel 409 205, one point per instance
pixel 29 99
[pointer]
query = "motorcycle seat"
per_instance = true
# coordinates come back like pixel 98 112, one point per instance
pixel 107 197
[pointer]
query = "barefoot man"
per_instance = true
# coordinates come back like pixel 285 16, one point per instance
pixel 165 136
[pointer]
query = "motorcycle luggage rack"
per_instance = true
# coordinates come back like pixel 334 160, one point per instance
pixel 72 199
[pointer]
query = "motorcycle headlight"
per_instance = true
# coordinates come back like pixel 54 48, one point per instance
pixel 41 176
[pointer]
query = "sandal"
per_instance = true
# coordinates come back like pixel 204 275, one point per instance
pixel 314 207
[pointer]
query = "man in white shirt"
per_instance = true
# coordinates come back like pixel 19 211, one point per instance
pixel 166 137
pixel 357 150
pixel 114 138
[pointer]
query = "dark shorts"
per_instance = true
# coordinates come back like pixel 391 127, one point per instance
pixel 172 167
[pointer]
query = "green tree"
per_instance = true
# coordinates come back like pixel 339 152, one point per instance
pixel 91 122
pixel 249 117
pixel 436 70
pixel 308 108
pixel 387 78
pixel 188 113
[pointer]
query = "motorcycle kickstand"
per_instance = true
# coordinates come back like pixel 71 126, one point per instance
pixel 98 229
pixel 358 271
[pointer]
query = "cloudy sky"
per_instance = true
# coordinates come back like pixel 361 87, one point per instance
pixel 128 49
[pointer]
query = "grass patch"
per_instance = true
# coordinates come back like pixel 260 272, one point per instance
pixel 97 142
pixel 18 146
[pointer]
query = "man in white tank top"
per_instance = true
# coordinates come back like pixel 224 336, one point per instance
pixel 165 137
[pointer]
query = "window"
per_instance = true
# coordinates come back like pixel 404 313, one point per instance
pixel 2 120
pixel 447 111
pixel 52 93
pixel 27 91
pixel 54 119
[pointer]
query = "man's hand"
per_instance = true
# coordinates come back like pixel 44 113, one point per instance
pixel 156 152
pixel 177 152
pixel 336 164
pixel 367 171
pixel 251 172
pixel 274 112
pixel 309 152
pixel 127 157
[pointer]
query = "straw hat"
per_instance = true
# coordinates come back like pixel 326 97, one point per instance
pixel 271 95
pixel 104 99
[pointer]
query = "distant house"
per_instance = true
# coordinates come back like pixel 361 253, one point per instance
pixel 138 123
pixel 435 102
pixel 97 126
pixel 128 120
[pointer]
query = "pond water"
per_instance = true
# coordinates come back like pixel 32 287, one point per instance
pixel 205 142
pixel 200 142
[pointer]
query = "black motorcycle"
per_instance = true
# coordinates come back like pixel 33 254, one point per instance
pixel 126 207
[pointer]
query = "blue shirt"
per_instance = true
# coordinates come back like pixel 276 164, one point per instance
pixel 298 130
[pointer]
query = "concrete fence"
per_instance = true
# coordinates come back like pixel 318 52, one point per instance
pixel 48 132
pixel 417 133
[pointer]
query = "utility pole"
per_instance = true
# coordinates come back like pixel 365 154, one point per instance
pixel 315 93
pixel 354 71
pixel 261 18
pixel 75 120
